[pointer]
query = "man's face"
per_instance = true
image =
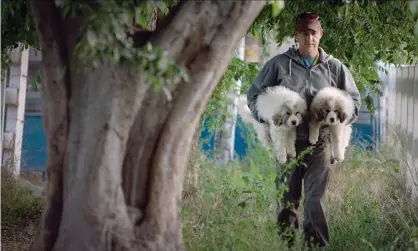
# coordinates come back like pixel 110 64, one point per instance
pixel 309 39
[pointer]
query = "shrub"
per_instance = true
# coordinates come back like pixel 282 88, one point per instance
pixel 233 207
pixel 18 204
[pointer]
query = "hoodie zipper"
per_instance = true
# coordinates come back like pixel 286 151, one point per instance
pixel 309 81
pixel 318 62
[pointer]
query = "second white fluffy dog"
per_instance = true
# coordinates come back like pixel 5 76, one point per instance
pixel 332 107
pixel 284 110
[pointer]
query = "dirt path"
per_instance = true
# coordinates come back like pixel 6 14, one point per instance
pixel 18 238
pixel 21 209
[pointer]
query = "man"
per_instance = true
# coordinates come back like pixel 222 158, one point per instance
pixel 306 69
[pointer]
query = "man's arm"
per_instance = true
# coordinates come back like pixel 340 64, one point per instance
pixel 346 83
pixel 267 77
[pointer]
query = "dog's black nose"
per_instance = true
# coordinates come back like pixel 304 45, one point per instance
pixel 293 122
pixel 332 120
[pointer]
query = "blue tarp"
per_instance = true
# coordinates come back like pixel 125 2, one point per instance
pixel 34 140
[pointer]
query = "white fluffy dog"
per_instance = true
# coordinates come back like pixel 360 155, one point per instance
pixel 332 107
pixel 283 110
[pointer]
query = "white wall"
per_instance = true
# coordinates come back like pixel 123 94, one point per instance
pixel 276 49
pixel 15 99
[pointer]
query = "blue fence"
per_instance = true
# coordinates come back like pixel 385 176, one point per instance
pixel 34 144
pixel 366 133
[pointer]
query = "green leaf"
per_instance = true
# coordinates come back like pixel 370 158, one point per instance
pixel 275 8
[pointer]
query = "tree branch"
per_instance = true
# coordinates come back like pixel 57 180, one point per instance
pixel 206 65
pixel 141 37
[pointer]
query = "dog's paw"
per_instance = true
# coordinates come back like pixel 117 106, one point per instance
pixel 281 161
pixel 335 161
pixel 339 157
pixel 281 157
pixel 313 138
pixel 292 153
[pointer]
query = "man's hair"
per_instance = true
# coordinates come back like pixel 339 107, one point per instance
pixel 307 20
pixel 306 15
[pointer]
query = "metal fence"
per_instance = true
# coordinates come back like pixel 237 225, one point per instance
pixel 400 119
pixel 2 116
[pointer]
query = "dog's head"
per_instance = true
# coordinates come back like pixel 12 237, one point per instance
pixel 330 111
pixel 291 116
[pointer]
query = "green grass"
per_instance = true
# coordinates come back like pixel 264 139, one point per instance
pixel 233 207
pixel 18 204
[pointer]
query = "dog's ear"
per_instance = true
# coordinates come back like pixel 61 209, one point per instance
pixel 342 116
pixel 322 115
pixel 319 114
pixel 277 120
pixel 313 115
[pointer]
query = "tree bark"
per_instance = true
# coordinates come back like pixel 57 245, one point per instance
pixel 117 149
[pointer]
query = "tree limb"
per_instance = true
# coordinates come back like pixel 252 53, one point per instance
pixel 141 37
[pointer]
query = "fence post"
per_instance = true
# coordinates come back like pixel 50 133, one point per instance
pixel 15 109
pixel 414 145
pixel 2 105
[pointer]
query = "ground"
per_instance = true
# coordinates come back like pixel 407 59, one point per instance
pixel 19 237
pixel 20 210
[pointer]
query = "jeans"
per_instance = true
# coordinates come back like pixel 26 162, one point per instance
pixel 315 177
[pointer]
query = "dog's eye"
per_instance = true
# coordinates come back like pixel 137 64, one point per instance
pixel 297 113
pixel 335 110
pixel 288 113
pixel 327 110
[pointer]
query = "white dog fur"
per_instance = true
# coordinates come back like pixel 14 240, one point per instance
pixel 333 107
pixel 283 110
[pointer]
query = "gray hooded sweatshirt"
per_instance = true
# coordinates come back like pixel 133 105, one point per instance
pixel 287 70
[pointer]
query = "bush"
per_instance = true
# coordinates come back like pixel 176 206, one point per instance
pixel 18 204
pixel 233 208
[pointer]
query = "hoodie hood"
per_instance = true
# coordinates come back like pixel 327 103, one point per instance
pixel 323 58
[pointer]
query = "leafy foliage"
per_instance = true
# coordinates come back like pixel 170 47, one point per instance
pixel 19 205
pixel 359 34
pixel 237 70
pixel 112 39
pixel 106 34
pixel 234 207
pixel 16 16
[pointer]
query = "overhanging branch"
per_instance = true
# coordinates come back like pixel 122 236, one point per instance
pixel 141 37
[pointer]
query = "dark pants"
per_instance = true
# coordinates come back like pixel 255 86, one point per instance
pixel 315 176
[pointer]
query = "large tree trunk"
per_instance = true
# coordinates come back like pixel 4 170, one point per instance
pixel 116 148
